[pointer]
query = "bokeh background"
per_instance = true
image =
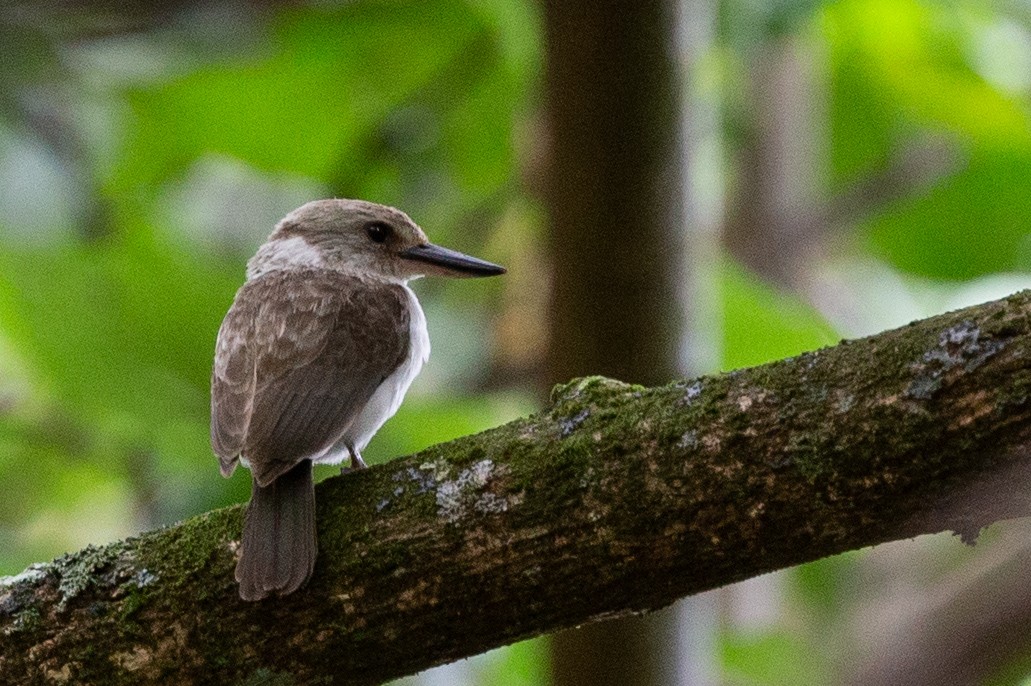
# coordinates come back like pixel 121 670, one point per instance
pixel 823 170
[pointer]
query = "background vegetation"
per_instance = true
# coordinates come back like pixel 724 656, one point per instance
pixel 865 163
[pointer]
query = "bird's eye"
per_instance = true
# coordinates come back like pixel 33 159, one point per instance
pixel 378 231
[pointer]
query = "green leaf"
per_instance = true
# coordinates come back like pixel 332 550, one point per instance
pixel 914 64
pixel 770 658
pixel 120 333
pixel 761 324
pixel 971 224
pixel 864 130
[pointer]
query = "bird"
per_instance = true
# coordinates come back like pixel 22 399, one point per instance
pixel 316 352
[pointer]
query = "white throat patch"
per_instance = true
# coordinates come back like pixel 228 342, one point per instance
pixel 284 253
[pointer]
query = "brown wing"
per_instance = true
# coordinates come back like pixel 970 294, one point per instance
pixel 315 345
pixel 233 379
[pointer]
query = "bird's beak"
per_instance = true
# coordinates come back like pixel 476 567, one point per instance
pixel 451 262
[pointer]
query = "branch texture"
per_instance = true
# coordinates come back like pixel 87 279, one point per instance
pixel 616 499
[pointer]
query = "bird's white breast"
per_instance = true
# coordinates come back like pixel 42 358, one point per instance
pixel 388 396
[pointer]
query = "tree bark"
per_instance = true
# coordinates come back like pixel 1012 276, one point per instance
pixel 616 221
pixel 616 234
pixel 615 500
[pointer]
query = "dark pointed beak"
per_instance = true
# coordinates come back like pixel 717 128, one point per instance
pixel 451 262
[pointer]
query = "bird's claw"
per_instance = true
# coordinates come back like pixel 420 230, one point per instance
pixel 357 463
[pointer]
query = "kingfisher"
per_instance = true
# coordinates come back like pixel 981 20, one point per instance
pixel 316 352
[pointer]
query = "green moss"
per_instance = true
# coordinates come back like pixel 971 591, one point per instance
pixel 89 567
pixel 189 546
pixel 589 390
pixel 265 677
pixel 26 620
pixel 132 603
pixel 807 457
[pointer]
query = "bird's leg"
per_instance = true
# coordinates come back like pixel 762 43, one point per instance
pixel 356 461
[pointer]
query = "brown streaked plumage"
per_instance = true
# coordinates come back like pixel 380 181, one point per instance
pixel 316 352
pixel 317 344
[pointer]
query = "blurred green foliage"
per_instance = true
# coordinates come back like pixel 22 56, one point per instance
pixel 772 658
pixel 954 69
pixel 166 157
pixel 761 324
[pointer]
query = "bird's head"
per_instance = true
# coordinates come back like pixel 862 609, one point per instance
pixel 360 238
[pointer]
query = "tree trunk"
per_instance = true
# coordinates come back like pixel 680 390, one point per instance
pixel 616 230
pixel 615 500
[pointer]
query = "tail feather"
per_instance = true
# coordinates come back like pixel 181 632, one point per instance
pixel 277 554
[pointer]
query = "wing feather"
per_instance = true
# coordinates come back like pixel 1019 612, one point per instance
pixel 232 383
pixel 315 347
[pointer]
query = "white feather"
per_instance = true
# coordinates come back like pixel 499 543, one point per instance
pixel 284 253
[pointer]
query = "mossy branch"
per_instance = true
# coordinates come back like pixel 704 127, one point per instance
pixel 616 499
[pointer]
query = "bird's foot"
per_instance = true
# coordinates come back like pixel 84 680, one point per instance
pixel 356 463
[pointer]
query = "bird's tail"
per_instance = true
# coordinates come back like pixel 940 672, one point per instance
pixel 277 553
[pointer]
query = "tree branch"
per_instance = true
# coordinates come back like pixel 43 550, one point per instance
pixel 616 499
